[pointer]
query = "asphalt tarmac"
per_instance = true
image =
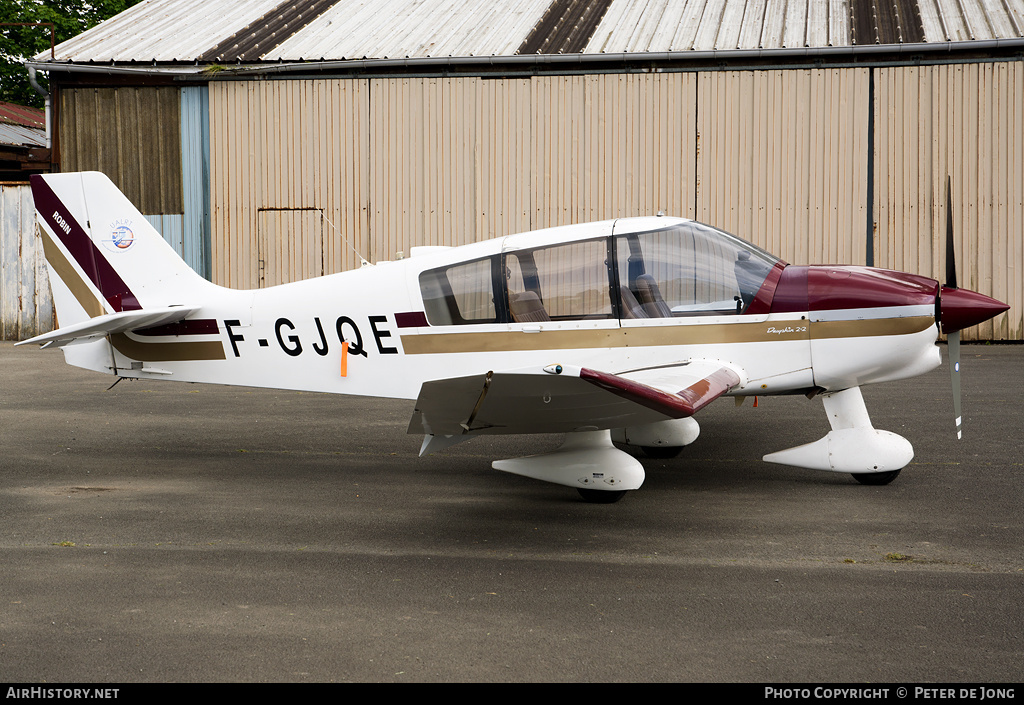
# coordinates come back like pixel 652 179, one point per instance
pixel 163 532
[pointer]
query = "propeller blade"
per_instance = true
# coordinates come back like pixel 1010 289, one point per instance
pixel 959 309
pixel 952 339
pixel 954 374
pixel 950 252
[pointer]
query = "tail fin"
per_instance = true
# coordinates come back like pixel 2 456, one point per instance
pixel 110 270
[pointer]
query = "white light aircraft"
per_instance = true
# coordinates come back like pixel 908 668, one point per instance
pixel 613 331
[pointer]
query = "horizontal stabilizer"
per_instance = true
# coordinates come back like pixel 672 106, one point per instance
pixel 111 323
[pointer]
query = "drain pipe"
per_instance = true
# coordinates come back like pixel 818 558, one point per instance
pixel 43 92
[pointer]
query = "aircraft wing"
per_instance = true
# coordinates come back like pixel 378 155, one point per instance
pixel 111 323
pixel 561 399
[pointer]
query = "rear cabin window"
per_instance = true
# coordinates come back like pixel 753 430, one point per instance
pixel 460 294
pixel 564 282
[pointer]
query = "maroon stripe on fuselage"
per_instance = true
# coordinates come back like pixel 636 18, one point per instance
pixel 411 319
pixel 81 247
pixel 197 326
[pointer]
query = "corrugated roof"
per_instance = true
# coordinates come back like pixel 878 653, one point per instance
pixel 164 31
pixel 271 30
pixel 14 114
pixel 253 31
pixel 356 29
pixel 21 136
pixel 22 126
pixel 566 27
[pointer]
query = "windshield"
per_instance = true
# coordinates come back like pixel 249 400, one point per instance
pixel 688 269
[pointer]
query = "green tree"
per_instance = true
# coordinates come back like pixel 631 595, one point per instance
pixel 18 43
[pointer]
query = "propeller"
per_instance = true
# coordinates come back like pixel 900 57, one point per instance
pixel 952 338
pixel 960 308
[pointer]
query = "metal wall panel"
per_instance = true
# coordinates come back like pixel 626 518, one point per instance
pixel 171 227
pixel 780 157
pixel 424 149
pixel 783 160
pixel 965 121
pixel 26 308
pixel 637 160
pixel 132 135
pixel 396 163
pixel 287 145
pixel 504 169
pixel 195 172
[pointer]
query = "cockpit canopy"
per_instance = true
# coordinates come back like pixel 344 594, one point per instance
pixel 684 269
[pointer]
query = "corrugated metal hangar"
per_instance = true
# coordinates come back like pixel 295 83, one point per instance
pixel 277 140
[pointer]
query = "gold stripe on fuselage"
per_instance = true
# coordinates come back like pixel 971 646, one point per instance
pixel 872 327
pixel 167 352
pixel 707 334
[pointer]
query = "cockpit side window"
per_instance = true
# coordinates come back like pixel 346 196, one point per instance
pixel 460 294
pixel 688 269
pixel 563 282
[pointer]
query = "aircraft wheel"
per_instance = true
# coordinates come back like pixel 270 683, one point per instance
pixel 875 478
pixel 601 496
pixel 661 452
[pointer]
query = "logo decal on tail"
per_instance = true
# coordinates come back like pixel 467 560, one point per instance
pixel 121 236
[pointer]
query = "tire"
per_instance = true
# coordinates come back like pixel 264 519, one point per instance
pixel 601 496
pixel 661 452
pixel 875 478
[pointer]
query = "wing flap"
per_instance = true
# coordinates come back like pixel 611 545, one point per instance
pixel 102 326
pixel 558 399
pixel 655 393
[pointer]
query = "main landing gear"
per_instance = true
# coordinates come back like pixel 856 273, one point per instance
pixel 872 456
pixel 586 461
